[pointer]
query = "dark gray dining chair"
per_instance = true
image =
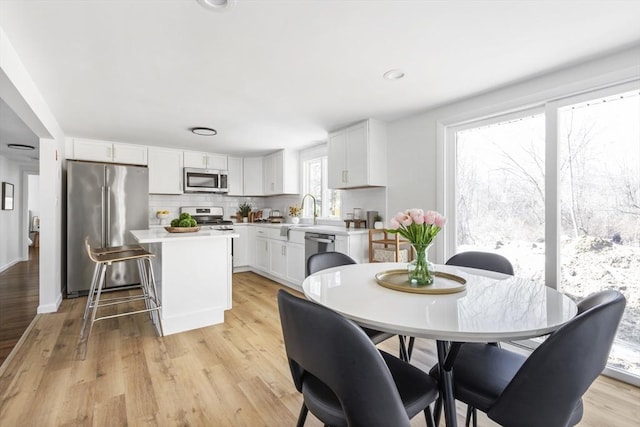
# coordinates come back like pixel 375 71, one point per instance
pixel 475 259
pixel 344 379
pixel 546 388
pixel 482 260
pixel 322 261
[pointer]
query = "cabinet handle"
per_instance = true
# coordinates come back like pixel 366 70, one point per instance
pixel 346 176
pixel 111 152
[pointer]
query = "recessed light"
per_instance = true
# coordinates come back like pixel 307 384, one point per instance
pixel 393 74
pixel 204 131
pixel 215 4
pixel 21 147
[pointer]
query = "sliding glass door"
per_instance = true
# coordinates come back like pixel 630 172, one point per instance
pixel 557 191
pixel 599 189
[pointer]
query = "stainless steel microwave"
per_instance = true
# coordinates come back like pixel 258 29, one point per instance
pixel 205 181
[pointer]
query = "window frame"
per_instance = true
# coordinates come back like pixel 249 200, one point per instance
pixel 311 154
pixel 446 179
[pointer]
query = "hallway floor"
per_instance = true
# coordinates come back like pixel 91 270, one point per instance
pixel 19 297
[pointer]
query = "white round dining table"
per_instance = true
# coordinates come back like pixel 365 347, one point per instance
pixel 492 307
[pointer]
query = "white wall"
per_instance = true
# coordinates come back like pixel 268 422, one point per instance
pixel 33 200
pixel 22 96
pixel 10 219
pixel 415 154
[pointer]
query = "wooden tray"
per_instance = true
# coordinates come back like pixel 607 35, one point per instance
pixel 182 229
pixel 443 283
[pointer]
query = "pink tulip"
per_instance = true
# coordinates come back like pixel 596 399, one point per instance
pixel 394 224
pixel 405 220
pixel 440 221
pixel 414 212
pixel 430 217
pixel 417 218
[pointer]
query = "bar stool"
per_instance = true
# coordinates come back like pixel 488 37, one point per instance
pixel 103 257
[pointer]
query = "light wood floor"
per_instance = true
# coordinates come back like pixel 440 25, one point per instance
pixel 19 298
pixel 234 374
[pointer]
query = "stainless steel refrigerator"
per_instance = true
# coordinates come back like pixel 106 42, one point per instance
pixel 104 202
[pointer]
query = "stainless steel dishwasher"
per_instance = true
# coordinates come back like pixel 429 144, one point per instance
pixel 315 243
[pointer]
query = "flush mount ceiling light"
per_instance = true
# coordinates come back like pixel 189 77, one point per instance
pixel 217 5
pixel 395 74
pixel 21 147
pixel 204 131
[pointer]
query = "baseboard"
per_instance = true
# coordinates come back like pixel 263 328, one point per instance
pixel 276 279
pixel 50 308
pixel 10 264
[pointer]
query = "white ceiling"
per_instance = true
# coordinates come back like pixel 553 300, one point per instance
pixel 14 131
pixel 277 74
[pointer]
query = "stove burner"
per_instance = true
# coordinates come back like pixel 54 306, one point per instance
pixel 211 217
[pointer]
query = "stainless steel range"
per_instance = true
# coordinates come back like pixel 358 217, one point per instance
pixel 211 217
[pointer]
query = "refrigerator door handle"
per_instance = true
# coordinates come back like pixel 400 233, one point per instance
pixel 107 243
pixel 102 215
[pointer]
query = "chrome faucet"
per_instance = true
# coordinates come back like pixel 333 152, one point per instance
pixel 315 207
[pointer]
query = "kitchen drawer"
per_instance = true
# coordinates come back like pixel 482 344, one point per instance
pixel 275 233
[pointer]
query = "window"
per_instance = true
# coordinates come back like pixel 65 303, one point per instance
pixel 500 191
pixel 599 192
pixel 557 191
pixel 314 182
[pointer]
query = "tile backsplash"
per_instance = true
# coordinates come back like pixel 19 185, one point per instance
pixel 172 203
pixel 366 198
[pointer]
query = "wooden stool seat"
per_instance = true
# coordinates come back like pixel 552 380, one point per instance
pixel 111 257
pixel 117 249
pixel 104 257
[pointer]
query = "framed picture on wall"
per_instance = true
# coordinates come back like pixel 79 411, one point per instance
pixel 7 196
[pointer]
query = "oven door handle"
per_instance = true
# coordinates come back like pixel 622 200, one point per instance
pixel 319 240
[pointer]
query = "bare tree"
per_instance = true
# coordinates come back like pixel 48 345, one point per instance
pixel 577 142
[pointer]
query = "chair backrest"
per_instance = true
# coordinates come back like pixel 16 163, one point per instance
pixel 549 386
pixel 337 352
pixel 324 260
pixel 482 260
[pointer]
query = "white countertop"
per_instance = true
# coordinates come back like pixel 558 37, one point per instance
pixel 327 229
pixel 155 235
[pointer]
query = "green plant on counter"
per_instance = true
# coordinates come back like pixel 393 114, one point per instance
pixel 244 209
pixel 184 220
pixel 377 218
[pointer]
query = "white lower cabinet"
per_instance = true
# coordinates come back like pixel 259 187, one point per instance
pixel 278 258
pixel 240 246
pixel 295 263
pixel 251 245
pixel 283 259
pixel 342 244
pixel 355 245
pixel 262 254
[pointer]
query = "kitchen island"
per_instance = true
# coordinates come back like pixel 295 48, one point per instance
pixel 193 276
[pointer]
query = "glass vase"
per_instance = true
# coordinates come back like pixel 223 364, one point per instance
pixel 420 270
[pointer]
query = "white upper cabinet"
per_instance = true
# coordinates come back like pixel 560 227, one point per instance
pixel 193 159
pixel 252 176
pixel 235 179
pixel 112 152
pixel 357 156
pixel 280 173
pixel 165 171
